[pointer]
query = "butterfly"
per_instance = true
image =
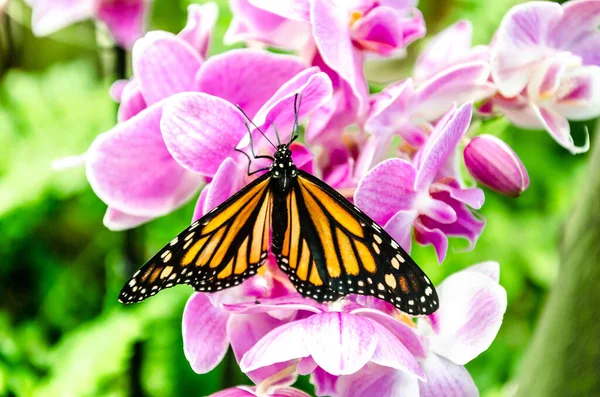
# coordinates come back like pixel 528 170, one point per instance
pixel 326 245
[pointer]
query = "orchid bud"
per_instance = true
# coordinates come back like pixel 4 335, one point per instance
pixel 494 164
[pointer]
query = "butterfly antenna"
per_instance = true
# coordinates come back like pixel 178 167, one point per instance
pixel 297 102
pixel 276 134
pixel 255 126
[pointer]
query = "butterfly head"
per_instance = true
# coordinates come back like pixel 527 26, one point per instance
pixel 283 169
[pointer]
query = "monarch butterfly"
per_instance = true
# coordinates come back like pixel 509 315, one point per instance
pixel 327 246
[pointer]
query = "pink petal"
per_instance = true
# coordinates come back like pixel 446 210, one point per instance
pixel 437 210
pixel 444 378
pixel 387 189
pixel 390 108
pixel 315 88
pixel 390 352
pixel 131 170
pixel 332 38
pixel 325 383
pixel 467 225
pixel 50 16
pixel 298 10
pixel 446 47
pixel 228 179
pixel 200 23
pixel 400 227
pixel 245 331
pixel 559 129
pixel 579 95
pixel 205 338
pixel 473 197
pixel 441 144
pixel 247 77
pixel 488 268
pixel 289 302
pixel 284 343
pixel 239 391
pixel 116 89
pixel 288 392
pixel 471 309
pixel 380 31
pixel 408 335
pixel 457 84
pixel 199 208
pixel 375 380
pixel 341 343
pixel 425 235
pixel 164 65
pixel 521 42
pixel 125 19
pixel 577 31
pixel 201 130
pixel 252 24
pixel 132 101
pixel 117 221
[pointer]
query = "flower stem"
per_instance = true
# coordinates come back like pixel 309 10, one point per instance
pixel 565 351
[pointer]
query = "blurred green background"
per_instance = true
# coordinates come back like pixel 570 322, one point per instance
pixel 62 331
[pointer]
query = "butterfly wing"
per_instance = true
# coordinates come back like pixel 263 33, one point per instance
pixel 330 248
pixel 220 250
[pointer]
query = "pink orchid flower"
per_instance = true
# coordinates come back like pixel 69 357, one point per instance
pixel 209 330
pixel 545 63
pixel 244 391
pixel 422 194
pixel 125 19
pixel 202 131
pixel 448 71
pixel 472 305
pixel 340 35
pixel 164 65
pixel 335 339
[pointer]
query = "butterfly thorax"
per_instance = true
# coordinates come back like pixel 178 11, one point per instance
pixel 283 170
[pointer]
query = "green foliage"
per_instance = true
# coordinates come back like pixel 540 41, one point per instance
pixel 60 325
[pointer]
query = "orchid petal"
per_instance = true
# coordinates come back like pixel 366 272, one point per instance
pixel 520 42
pixel 578 30
pixel 375 380
pixel 425 235
pixel 387 189
pixel 471 309
pixel 247 77
pixel 559 129
pixel 227 181
pixel 244 332
pixel 400 226
pixel 341 343
pixel 332 38
pixel 125 19
pixel 200 23
pixel 488 268
pixel 442 143
pixel 444 378
pixel 457 84
pixel 117 221
pixel 164 65
pixel 132 101
pixel 131 170
pixel 298 10
pixel 49 16
pixel 201 130
pixel 284 343
pixel 446 47
pixel 390 352
pixel 205 338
